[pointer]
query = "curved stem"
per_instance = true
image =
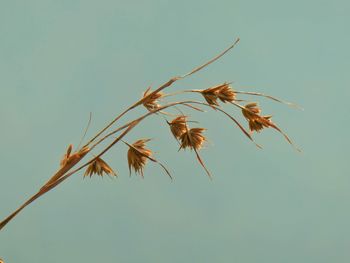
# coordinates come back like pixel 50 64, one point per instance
pixel 163 86
pixel 63 174
pixel 269 97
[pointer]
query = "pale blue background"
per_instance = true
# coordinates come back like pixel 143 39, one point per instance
pixel 59 60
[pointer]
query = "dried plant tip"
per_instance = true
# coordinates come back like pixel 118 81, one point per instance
pixel 210 95
pixel 178 126
pixel 66 156
pixel 226 93
pixel 258 124
pixel 193 139
pixel 99 167
pixel 138 156
pixel 251 111
pixel 151 101
pixel 223 92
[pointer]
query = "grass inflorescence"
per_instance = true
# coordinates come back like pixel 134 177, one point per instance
pixel 180 127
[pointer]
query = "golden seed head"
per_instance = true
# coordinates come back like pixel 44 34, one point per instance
pixel 151 103
pixel 210 95
pixel 260 123
pixel 66 156
pixel 99 167
pixel 192 138
pixel 256 122
pixel 223 92
pixel 226 93
pixel 138 155
pixel 178 126
pixel 251 111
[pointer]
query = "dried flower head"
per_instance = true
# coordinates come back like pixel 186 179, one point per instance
pixel 178 126
pixel 223 92
pixel 138 156
pixel 66 156
pixel 251 111
pixel 210 95
pixel 192 138
pixel 151 102
pixel 226 93
pixel 256 122
pixel 260 123
pixel 99 167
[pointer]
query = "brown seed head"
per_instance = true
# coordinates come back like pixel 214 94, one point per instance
pixel 66 156
pixel 226 93
pixel 192 138
pixel 251 111
pixel 178 126
pixel 223 92
pixel 99 167
pixel 138 156
pixel 255 121
pixel 259 123
pixel 151 103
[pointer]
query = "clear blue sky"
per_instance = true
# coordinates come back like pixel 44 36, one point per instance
pixel 60 60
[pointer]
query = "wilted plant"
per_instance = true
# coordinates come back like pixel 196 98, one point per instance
pixel 138 154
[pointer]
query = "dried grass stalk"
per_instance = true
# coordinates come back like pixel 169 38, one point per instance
pixel 138 155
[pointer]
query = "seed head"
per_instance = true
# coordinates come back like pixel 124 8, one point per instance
pixel 99 167
pixel 226 93
pixel 256 122
pixel 151 103
pixel 260 123
pixel 223 92
pixel 66 156
pixel 193 139
pixel 138 156
pixel 178 126
pixel 251 111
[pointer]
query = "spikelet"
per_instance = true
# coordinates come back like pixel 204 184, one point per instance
pixel 66 156
pixel 251 111
pixel 226 93
pixel 258 124
pixel 151 102
pixel 138 156
pixel 223 92
pixel 193 139
pixel 99 167
pixel 210 95
pixel 178 126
